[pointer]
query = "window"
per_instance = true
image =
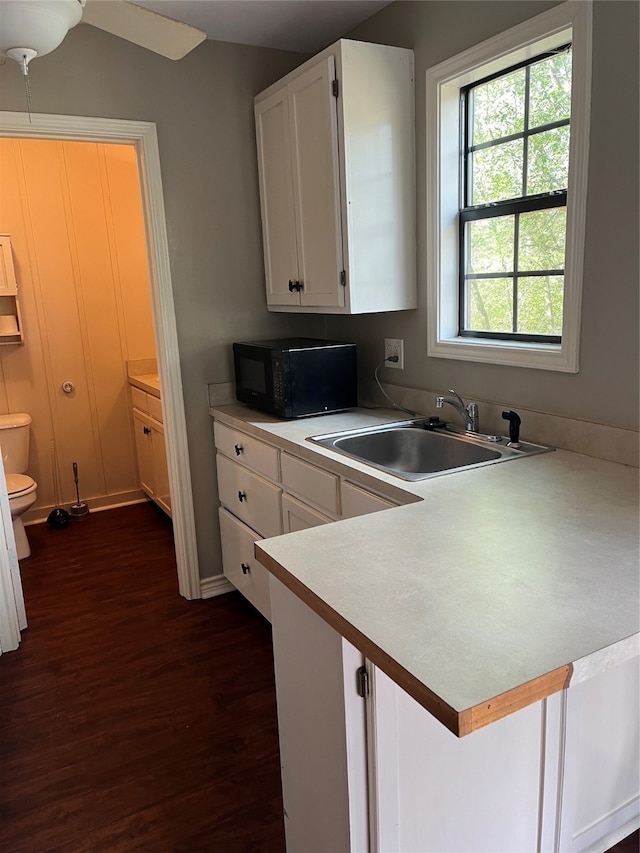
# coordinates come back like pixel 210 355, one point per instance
pixel 507 128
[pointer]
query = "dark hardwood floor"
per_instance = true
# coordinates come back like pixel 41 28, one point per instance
pixel 133 719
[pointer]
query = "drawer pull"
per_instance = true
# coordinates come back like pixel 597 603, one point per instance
pixel 245 568
pixel 238 449
pixel 242 496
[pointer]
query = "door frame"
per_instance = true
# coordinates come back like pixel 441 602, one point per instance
pixel 143 136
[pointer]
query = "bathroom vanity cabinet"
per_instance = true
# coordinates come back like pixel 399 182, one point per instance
pixel 150 447
pixel 265 491
pixel 335 143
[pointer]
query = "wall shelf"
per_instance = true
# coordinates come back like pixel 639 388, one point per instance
pixel 10 316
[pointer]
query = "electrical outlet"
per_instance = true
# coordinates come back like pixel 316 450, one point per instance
pixel 394 347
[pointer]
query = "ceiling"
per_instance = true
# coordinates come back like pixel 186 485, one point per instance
pixel 305 26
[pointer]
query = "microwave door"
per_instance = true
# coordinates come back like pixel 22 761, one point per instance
pixel 253 378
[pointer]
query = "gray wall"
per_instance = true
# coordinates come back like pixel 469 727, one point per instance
pixel 203 109
pixel 606 388
pixel 202 106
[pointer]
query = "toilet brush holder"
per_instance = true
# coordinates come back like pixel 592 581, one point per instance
pixel 79 509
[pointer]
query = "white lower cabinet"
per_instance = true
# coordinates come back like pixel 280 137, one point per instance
pixel 370 770
pixel 321 724
pixel 151 454
pixel 382 774
pixel 267 491
pixel 601 778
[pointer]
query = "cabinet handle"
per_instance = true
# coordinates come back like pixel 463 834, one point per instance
pixel 242 496
pixel 292 285
pixel 146 430
pixel 238 448
pixel 300 286
pixel 245 568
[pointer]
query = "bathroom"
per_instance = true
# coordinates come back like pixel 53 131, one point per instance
pixel 73 213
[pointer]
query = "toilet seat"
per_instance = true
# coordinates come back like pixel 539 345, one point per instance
pixel 19 485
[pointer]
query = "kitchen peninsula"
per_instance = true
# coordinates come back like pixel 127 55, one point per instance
pixel 500 601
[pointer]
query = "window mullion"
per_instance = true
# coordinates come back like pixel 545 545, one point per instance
pixel 514 288
pixel 525 141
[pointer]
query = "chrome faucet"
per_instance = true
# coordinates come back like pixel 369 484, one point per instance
pixel 467 411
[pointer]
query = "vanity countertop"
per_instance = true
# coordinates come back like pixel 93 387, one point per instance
pixel 149 382
pixel 490 589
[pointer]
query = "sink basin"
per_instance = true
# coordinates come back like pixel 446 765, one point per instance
pixel 413 451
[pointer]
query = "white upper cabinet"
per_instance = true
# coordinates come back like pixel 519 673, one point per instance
pixel 336 167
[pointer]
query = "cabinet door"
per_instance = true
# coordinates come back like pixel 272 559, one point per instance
pixel 144 452
pixel 321 726
pixel 276 198
pixel 162 496
pixel 437 793
pixel 316 181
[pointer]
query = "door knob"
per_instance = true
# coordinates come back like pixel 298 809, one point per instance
pixel 68 387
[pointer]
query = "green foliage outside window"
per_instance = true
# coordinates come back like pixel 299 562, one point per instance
pixel 517 160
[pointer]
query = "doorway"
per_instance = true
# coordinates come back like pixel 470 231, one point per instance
pixel 142 135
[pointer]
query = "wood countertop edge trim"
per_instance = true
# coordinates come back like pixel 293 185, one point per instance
pixel 461 723
pixel 513 700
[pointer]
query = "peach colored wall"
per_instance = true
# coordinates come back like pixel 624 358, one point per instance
pixel 74 214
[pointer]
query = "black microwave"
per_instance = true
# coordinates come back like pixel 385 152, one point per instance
pixel 296 377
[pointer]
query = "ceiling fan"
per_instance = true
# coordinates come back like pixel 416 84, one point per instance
pixel 33 28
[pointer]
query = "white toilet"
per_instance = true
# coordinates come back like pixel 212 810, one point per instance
pixel 14 443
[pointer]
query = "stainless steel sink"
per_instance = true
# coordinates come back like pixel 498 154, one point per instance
pixel 416 450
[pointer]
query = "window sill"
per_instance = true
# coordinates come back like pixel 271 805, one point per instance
pixel 511 353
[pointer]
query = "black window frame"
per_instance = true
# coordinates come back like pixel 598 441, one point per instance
pixel 513 206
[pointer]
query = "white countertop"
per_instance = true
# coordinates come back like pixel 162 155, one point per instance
pixel 496 577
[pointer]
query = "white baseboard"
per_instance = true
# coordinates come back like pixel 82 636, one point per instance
pixel 38 514
pixel 216 585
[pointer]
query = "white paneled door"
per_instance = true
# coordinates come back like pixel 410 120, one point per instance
pixel 13 617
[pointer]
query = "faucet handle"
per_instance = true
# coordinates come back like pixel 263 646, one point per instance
pixel 458 397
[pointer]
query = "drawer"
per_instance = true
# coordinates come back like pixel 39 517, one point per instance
pixel 138 399
pixel 356 501
pixel 299 516
pixel 239 565
pixel 154 407
pixel 146 402
pixel 250 497
pixel 311 483
pixel 247 450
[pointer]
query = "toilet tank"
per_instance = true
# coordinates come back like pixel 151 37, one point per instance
pixel 14 442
